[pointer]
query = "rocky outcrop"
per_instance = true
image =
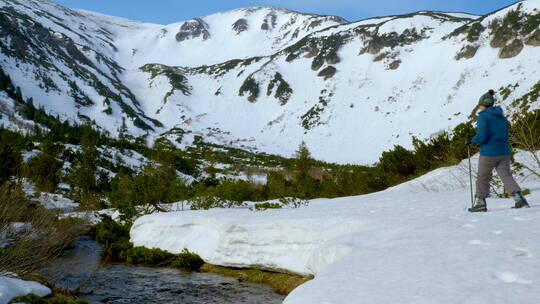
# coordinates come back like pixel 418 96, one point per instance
pixel 511 50
pixel 193 29
pixel 377 42
pixel 467 52
pixel 241 25
pixel 270 22
pixel 328 72
pixel 534 39
pixel 394 65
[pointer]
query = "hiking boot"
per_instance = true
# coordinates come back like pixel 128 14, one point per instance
pixel 479 206
pixel 521 202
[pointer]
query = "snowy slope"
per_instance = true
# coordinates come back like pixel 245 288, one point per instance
pixel 65 62
pixel 268 78
pixel 395 77
pixel 407 244
pixel 366 101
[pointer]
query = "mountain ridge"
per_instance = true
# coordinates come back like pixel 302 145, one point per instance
pixel 219 79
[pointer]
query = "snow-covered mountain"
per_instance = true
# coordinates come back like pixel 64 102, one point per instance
pixel 268 78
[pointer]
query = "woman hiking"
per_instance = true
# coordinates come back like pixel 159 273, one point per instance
pixel 492 136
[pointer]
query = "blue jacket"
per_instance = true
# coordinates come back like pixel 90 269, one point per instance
pixel 492 133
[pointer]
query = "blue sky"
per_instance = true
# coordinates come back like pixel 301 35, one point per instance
pixel 170 11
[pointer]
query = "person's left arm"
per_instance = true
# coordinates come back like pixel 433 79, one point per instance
pixel 481 131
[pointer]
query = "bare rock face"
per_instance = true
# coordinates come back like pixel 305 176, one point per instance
pixel 511 50
pixel 193 29
pixel 315 23
pixel 534 39
pixel 241 25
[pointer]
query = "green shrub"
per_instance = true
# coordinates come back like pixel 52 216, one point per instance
pixel 398 161
pixel 145 256
pixel 187 260
pixel 265 206
pixel 234 190
pixel 205 202
pixel 28 299
pixel 157 257
pixel 152 186
pixel 293 202
pixel 277 185
pixel 34 299
pixel 474 32
pixel 112 235
pixel 115 239
pixel 532 23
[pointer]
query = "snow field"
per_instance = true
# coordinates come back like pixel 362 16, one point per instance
pixel 408 244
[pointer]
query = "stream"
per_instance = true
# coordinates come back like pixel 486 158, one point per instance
pixel 80 267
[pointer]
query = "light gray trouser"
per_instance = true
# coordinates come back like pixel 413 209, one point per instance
pixel 486 165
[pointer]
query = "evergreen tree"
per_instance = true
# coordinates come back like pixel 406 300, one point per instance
pixel 306 185
pixel 30 109
pixel 45 169
pixel 84 170
pixel 303 161
pixel 6 84
pixel 11 145
pixel 18 95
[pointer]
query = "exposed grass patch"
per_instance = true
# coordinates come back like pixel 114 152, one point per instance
pixel 281 283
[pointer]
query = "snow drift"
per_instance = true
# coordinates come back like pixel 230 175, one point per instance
pixel 12 287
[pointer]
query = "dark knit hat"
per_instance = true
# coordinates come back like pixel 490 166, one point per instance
pixel 488 99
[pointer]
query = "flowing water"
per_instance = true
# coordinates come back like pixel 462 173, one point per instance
pixel 80 267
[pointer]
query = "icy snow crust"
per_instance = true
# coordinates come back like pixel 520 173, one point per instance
pixel 11 287
pixel 414 243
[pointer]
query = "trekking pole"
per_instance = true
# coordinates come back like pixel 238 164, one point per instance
pixel 470 175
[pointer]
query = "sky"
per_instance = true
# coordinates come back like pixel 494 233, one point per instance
pixel 171 11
